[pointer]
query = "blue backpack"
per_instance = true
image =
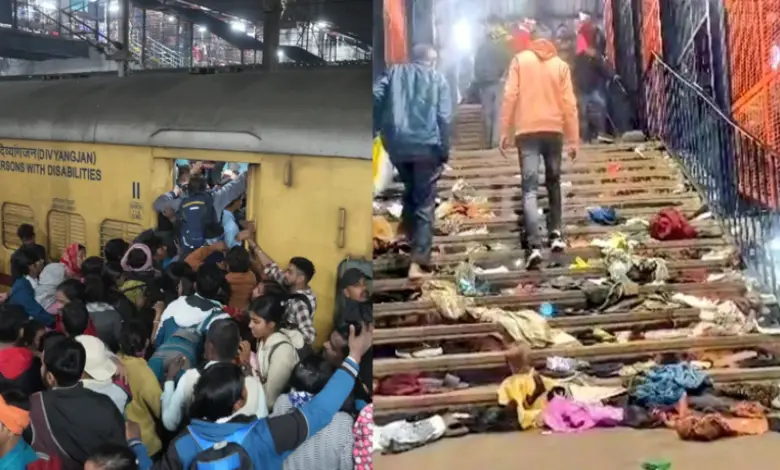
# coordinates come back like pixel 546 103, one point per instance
pixel 228 454
pixel 195 215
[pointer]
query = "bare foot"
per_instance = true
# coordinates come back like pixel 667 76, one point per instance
pixel 416 272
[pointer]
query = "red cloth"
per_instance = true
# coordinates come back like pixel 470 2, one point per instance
pixel 90 331
pixel 401 384
pixel 585 37
pixel 14 362
pixel 671 224
pixel 521 39
pixel 70 258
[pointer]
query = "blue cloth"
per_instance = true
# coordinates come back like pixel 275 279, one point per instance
pixel 23 295
pixel 230 228
pixel 413 113
pixel 139 449
pixel 666 385
pixel 19 457
pixel 259 443
pixel 603 215
pixel 298 399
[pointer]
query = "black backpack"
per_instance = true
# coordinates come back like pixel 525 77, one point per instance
pixel 195 215
pixel 227 454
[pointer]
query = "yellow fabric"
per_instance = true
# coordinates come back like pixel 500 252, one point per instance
pixel 133 290
pixel 146 406
pixel 518 388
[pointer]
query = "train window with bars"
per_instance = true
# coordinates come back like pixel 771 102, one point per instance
pixel 14 215
pixel 65 228
pixel 110 229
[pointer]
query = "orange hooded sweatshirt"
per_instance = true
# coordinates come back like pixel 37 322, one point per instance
pixel 539 95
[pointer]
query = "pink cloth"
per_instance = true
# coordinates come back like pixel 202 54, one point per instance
pixel 363 431
pixel 564 415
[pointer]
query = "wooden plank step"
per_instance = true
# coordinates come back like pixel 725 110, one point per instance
pixel 454 253
pixel 574 323
pixel 574 179
pixel 538 276
pixel 486 395
pixel 616 151
pixel 575 191
pixel 562 300
pixel 574 168
pixel 626 170
pixel 599 352
pixel 618 202
pixel 586 234
pixel 462 162
pixel 572 216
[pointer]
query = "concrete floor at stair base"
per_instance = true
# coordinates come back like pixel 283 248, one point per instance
pixel 615 449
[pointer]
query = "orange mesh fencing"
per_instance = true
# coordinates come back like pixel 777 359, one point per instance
pixel 609 32
pixel 754 50
pixel 651 31
pixel 395 32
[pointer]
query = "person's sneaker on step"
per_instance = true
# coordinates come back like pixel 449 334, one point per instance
pixel 605 139
pixel 533 259
pixel 557 243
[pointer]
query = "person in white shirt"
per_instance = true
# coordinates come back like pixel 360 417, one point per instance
pixel 223 339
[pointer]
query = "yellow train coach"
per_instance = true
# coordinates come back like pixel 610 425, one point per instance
pixel 83 159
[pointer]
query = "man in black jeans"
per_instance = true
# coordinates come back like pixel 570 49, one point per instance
pixel 412 113
pixel 539 116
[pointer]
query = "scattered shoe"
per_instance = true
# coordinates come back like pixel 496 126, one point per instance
pixel 557 243
pixel 534 259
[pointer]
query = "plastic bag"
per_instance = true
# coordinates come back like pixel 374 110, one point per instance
pixel 382 168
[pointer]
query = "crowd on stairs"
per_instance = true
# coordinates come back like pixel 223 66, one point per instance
pixel 635 311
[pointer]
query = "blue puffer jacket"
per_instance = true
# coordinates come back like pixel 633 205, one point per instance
pixel 412 112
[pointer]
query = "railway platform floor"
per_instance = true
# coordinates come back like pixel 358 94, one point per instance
pixel 478 243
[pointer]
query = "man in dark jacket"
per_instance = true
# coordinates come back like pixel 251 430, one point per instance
pixel 591 74
pixel 490 65
pixel 69 422
pixel 412 112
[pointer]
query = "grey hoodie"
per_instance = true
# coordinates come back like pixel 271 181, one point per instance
pixel 222 197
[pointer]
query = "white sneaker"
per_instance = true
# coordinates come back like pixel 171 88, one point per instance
pixel 534 259
pixel 557 244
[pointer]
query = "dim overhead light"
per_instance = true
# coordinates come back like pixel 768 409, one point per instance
pixel 202 29
pixel 322 24
pixel 171 19
pixel 113 7
pixel 238 26
pixel 280 54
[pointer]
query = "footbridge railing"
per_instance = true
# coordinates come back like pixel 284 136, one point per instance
pixel 737 175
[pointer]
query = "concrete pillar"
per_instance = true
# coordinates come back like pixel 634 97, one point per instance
pixel 124 35
pixel 272 18
pixel 378 50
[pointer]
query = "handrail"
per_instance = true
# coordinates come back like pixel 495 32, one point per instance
pixel 737 174
pixel 696 89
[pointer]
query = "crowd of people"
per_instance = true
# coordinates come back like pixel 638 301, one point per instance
pixel 542 93
pixel 187 348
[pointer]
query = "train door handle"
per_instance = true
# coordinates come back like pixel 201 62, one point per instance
pixel 341 237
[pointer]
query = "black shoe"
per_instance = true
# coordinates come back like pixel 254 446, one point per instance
pixel 533 259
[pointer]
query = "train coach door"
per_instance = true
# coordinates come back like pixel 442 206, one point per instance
pixel 224 179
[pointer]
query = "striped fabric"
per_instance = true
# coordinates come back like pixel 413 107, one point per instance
pixel 329 449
